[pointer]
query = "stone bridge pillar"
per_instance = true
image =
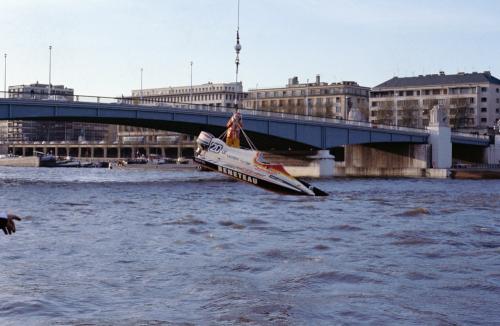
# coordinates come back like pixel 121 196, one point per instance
pixel 492 153
pixel 440 138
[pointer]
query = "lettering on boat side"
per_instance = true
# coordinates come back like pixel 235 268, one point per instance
pixel 238 175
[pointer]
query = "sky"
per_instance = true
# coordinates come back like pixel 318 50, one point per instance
pixel 99 46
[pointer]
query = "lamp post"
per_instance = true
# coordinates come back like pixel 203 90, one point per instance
pixel 396 108
pixel 191 85
pixel 5 76
pixel 307 98
pixel 50 69
pixel 141 84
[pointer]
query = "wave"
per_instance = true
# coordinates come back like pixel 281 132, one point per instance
pixel 415 212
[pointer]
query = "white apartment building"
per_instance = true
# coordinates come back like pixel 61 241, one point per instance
pixel 216 94
pixel 332 100
pixel 41 91
pixel 472 100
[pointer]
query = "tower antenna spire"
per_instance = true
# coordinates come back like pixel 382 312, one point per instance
pixel 237 48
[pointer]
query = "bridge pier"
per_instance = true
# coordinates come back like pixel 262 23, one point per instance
pixel 492 153
pixel 440 138
pixel 385 160
pixel 323 164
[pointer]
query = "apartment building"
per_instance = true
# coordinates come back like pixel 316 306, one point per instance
pixel 332 100
pixel 471 99
pixel 215 94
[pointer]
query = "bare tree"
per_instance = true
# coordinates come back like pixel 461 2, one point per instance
pixel 385 112
pixel 410 112
pixel 329 108
pixel 460 116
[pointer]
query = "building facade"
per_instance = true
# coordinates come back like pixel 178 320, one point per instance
pixel 334 100
pixel 221 94
pixel 51 131
pixel 41 91
pixel 472 100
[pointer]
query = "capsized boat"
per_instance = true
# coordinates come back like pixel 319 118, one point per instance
pixel 248 165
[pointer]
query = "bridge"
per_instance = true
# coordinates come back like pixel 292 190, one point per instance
pixel 267 129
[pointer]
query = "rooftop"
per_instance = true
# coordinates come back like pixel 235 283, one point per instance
pixel 440 79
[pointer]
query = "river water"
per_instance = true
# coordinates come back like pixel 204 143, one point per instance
pixel 134 247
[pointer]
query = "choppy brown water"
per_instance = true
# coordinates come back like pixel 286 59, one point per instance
pixel 153 248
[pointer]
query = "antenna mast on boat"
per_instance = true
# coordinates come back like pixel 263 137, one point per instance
pixel 237 48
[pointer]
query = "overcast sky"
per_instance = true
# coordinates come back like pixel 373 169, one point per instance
pixel 99 46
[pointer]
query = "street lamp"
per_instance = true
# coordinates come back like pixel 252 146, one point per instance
pixel 50 69
pixel 396 107
pixel 307 94
pixel 5 76
pixel 141 84
pixel 191 83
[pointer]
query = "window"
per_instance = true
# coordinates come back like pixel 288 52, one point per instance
pixel 484 89
pixel 484 99
pixel 484 110
pixel 498 90
pixel 498 100
pixel 436 91
pixel 497 110
pixel 471 100
pixel 484 120
pixel 409 93
pixel 418 93
pixel 401 93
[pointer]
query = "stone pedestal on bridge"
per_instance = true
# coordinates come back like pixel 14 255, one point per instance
pixel 440 138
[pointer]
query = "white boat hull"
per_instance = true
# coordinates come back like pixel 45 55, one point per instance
pixel 246 166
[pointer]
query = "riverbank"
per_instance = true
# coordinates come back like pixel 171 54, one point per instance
pixel 20 161
pixel 299 171
pixel 475 173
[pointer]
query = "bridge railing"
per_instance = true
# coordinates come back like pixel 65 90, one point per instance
pixel 282 115
pixel 159 103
